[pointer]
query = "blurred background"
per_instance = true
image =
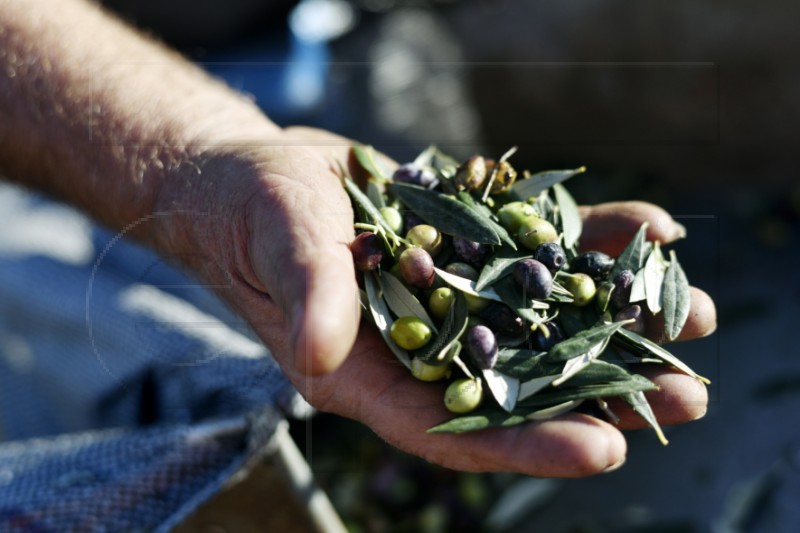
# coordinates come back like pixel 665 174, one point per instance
pixel 693 106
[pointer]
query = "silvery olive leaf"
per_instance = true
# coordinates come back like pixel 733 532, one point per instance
pixel 382 318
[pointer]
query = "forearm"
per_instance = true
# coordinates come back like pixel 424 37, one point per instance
pixel 94 113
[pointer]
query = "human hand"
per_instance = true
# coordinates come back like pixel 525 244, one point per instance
pixel 282 241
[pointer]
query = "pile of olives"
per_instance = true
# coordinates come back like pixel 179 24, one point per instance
pixel 465 235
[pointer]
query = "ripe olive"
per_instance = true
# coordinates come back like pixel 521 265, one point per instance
pixel 551 255
pixel 534 278
pixel 481 346
pixel 595 264
pixel 416 267
pixel 367 250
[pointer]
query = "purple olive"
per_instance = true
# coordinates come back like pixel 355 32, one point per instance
pixel 481 346
pixel 632 312
pixel 367 250
pixel 621 295
pixel 470 252
pixel 416 267
pixel 534 278
pixel 414 174
pixel 546 336
pixel 551 255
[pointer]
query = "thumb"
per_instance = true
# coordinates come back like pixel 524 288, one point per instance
pixel 300 225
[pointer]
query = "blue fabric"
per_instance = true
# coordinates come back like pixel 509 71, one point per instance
pixel 98 332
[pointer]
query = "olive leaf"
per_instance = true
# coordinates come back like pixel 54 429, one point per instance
pixel 560 294
pixel 571 222
pixel 375 195
pixel 634 255
pixel 486 214
pixel 554 411
pixel 524 364
pixel 485 418
pixel 585 392
pixel 497 267
pixel 532 386
pixel 467 286
pixel 638 292
pixel 598 371
pixel 654 270
pixel 363 201
pixel 583 341
pixel 645 347
pixel 381 316
pixel 365 155
pixel 401 301
pixel 505 389
pixel 447 214
pixel 436 351
pixel 641 406
pixel 536 183
pixel 677 298
pixel 579 363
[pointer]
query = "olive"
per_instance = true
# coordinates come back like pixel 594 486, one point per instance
pixel 462 270
pixel 595 264
pixel 470 252
pixel 534 278
pixel 546 336
pixel 440 302
pixel 410 333
pixel 393 218
pixel 481 346
pixel 463 395
pixel 622 288
pixel 535 231
pixel 416 267
pixel 475 304
pixel 414 174
pixel 412 219
pixel 581 286
pixel 472 174
pixel 503 320
pixel 504 177
pixel 551 255
pixel 513 214
pixel 426 237
pixel 425 372
pixel 605 292
pixel 367 250
pixel 632 312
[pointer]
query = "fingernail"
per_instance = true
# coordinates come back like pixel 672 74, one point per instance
pixel 678 231
pixel 615 466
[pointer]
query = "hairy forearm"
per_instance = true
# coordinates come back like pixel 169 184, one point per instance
pixel 94 113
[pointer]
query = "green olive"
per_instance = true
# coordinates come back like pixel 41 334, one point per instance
pixel 425 372
pixel 440 302
pixel 513 214
pixel 463 395
pixel 462 270
pixel 475 304
pixel 426 237
pixel 535 231
pixel 392 217
pixel 410 333
pixel 581 286
pixel 603 296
